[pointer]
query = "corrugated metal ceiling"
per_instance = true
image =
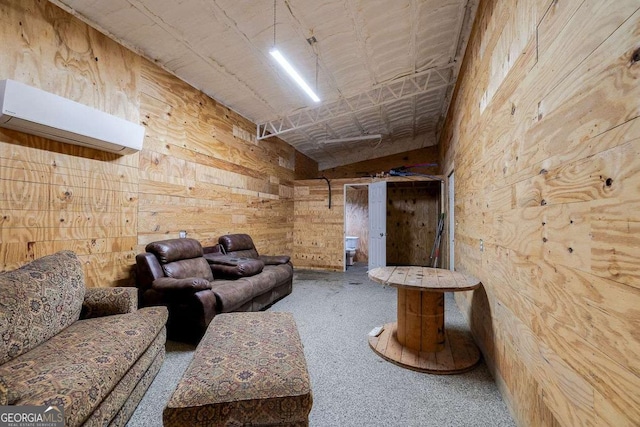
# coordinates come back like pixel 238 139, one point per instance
pixel 380 66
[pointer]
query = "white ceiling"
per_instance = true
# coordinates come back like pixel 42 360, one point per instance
pixel 383 67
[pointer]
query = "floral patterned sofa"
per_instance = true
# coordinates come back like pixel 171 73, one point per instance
pixel 89 350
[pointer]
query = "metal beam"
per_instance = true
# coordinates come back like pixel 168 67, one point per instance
pixel 386 93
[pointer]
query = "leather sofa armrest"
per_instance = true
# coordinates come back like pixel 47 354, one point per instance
pixel 99 302
pixel 230 267
pixel 274 259
pixel 209 303
pixel 148 269
pixel 190 284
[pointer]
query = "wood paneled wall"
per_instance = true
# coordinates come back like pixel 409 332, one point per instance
pixel 544 137
pixel 306 168
pixel 424 156
pixel 56 196
pixel 319 231
pixel 200 169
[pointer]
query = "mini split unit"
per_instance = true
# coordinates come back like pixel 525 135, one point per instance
pixel 34 111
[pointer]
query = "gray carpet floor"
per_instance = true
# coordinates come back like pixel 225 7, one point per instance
pixel 351 385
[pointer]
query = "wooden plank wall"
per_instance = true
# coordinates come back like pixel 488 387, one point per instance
pixel 373 167
pixel 200 169
pixel 56 196
pixel 306 168
pixel 544 136
pixel 319 231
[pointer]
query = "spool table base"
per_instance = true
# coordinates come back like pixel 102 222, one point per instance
pixel 460 353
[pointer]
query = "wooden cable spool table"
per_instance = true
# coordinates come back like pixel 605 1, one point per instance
pixel 419 340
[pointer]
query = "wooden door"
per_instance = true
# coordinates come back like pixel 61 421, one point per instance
pixel 377 224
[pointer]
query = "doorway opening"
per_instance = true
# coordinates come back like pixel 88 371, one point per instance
pixel 411 210
pixel 356 224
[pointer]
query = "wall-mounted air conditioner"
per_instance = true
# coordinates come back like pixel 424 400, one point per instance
pixel 34 111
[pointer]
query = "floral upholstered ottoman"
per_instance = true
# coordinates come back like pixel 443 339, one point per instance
pixel 249 369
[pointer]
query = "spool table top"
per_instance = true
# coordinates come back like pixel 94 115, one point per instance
pixel 424 278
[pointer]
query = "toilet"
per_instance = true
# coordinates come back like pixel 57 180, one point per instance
pixel 350 245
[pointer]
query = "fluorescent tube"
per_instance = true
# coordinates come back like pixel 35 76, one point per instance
pixel 353 138
pixel 294 74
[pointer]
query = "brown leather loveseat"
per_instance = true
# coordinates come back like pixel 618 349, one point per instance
pixel 196 283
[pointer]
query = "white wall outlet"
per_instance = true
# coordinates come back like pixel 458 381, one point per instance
pixel 183 234
pixel 481 245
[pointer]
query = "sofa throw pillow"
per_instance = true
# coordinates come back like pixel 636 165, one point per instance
pixel 38 300
pixel 230 266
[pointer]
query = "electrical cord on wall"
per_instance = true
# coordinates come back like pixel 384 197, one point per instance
pixel 329 185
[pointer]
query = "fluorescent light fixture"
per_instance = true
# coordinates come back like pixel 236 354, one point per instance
pixel 354 138
pixel 293 74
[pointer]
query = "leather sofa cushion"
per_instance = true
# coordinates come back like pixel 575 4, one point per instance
pixel 188 285
pixel 186 268
pixel 229 266
pixel 175 249
pixel 232 294
pixel 279 273
pixel 274 259
pixel 240 245
pixel 236 242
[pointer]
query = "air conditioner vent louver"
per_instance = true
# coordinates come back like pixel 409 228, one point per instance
pixel 34 111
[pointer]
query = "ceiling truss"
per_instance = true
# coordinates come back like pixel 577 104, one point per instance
pixel 380 95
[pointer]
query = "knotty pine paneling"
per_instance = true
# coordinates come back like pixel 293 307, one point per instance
pixel 200 170
pixel 543 135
